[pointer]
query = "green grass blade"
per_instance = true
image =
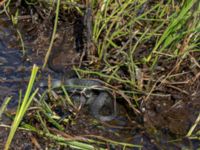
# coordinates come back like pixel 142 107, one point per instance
pixel 3 106
pixel 25 104
pixel 173 26
pixel 53 35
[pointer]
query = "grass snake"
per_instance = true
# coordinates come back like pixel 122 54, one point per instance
pixel 94 95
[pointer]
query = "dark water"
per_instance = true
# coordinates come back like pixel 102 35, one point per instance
pixel 14 70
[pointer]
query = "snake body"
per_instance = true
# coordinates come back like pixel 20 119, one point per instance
pixel 96 96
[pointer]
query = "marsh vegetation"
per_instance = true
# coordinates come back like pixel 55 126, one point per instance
pixel 110 74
